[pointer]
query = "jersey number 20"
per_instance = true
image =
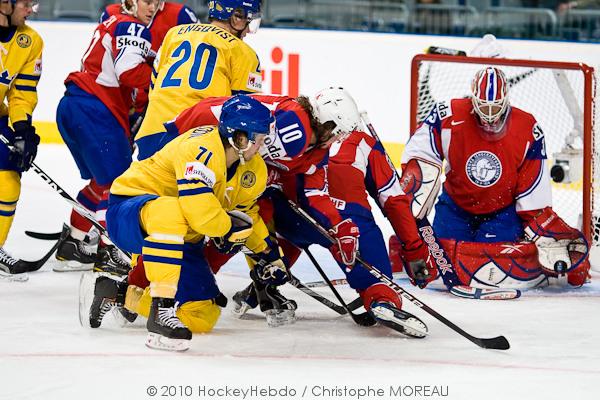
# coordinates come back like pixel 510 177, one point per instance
pixel 184 50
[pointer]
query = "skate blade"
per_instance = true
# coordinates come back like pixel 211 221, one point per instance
pixel 239 310
pixel 406 324
pixel 121 319
pixel 72 266
pixel 159 342
pixel 276 318
pixel 4 277
pixel 87 283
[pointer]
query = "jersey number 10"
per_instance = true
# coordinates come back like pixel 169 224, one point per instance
pixel 184 53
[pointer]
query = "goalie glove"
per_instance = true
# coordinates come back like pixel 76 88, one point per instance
pixel 235 239
pixel 561 248
pixel 420 265
pixel 270 269
pixel 346 236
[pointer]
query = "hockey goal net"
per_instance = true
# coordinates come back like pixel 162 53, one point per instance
pixel 560 95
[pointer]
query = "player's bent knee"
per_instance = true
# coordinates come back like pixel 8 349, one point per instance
pixel 163 216
pixel 199 316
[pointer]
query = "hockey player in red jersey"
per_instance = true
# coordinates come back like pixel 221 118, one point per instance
pixel 169 14
pixel 495 215
pixel 296 157
pixel 93 120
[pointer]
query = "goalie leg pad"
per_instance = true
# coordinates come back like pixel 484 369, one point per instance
pixel 497 265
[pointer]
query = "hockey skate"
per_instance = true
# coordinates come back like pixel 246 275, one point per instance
pixel 109 293
pixel 165 330
pixel 77 254
pixel 244 300
pixel 278 309
pixel 387 314
pixel 12 269
pixel 111 263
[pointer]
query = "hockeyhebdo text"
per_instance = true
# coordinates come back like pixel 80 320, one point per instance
pixel 251 392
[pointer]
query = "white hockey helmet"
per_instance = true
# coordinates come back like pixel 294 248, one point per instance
pixel 336 105
pixel 489 95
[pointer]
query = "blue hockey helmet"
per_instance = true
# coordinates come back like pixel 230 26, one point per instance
pixel 243 113
pixel 223 9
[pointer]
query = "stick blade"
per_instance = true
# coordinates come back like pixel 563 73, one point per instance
pixel 497 343
pixel 43 236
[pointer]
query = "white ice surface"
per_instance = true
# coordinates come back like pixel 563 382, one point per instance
pixel 46 354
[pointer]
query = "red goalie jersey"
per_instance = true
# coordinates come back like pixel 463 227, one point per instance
pixel 484 176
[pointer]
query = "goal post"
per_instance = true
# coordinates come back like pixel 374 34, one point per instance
pixel 560 95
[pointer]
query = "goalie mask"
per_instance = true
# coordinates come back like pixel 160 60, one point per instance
pixel 490 100
pixel 336 105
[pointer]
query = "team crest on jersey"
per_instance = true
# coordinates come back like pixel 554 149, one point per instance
pixel 484 169
pixel 248 179
pixel 24 41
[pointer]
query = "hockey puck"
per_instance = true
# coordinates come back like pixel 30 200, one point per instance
pixel 560 267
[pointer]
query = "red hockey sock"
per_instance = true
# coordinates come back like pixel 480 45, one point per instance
pixel 137 275
pixel 380 292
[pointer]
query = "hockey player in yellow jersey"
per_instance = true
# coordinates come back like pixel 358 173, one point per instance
pixel 202 184
pixel 20 70
pixel 198 61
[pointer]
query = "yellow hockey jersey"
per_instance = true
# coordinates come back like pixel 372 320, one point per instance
pixel 195 62
pixel 20 71
pixel 192 168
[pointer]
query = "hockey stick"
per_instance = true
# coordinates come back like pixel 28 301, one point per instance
pixel 78 207
pixel 43 236
pixel 326 302
pixel 341 281
pixel 498 343
pixel 443 262
pixel 364 319
pixel 295 282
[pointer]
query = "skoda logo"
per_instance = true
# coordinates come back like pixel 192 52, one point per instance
pixel 483 169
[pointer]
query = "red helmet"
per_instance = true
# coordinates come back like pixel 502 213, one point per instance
pixel 489 95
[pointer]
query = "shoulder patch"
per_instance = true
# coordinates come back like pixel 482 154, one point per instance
pixel 248 179
pixel 24 40
pixel 199 171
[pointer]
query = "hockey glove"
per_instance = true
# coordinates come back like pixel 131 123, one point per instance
pixel 26 142
pixel 346 235
pixel 420 265
pixel 270 268
pixel 235 239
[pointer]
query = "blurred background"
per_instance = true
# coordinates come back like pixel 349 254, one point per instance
pixel 521 19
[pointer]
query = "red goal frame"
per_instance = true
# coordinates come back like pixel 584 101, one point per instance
pixel 588 109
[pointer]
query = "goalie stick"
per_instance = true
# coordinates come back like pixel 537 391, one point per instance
pixel 497 343
pixel 442 261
